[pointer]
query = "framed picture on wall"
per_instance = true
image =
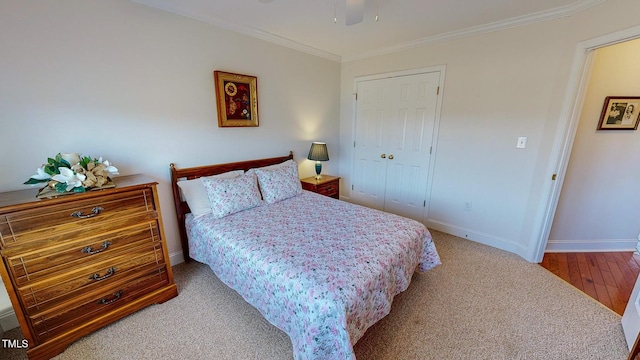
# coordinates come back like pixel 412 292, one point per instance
pixel 620 113
pixel 236 99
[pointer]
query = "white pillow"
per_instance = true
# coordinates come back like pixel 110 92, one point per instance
pixel 229 196
pixel 279 183
pixel 195 194
pixel 285 163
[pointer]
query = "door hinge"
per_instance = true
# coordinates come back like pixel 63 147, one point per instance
pixel 554 176
pixel 351 187
pixel 356 94
pixel 424 204
pixel 354 144
pixel 438 91
pixel 430 149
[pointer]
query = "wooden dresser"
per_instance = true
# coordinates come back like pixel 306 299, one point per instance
pixel 75 263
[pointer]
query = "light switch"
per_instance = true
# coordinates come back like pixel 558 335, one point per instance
pixel 522 142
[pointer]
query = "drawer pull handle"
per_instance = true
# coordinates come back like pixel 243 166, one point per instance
pixel 116 297
pixel 89 250
pixel 108 274
pixel 95 211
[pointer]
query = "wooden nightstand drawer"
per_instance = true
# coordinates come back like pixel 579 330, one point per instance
pixel 327 185
pixel 329 189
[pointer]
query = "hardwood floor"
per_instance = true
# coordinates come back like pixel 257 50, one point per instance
pixel 608 277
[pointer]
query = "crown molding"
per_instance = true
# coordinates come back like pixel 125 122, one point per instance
pixel 243 29
pixel 559 12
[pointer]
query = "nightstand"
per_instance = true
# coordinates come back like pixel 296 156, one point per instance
pixel 328 185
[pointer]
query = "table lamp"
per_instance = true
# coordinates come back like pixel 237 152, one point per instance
pixel 318 152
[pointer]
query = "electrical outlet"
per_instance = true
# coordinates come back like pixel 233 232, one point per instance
pixel 467 205
pixel 522 142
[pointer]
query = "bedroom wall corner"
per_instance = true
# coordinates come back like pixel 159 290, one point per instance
pixel 134 85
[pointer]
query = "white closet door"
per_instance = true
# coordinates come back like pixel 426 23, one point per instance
pixel 370 159
pixel 394 131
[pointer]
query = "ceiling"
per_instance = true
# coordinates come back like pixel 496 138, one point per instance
pixel 308 25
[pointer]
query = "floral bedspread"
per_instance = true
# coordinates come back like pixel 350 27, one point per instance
pixel 320 269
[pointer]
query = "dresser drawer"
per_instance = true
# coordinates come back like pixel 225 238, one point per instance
pixel 32 265
pixel 69 286
pixel 56 321
pixel 67 220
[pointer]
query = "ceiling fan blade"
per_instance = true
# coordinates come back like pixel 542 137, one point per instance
pixel 354 12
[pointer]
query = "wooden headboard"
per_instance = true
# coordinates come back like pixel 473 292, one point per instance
pixel 182 209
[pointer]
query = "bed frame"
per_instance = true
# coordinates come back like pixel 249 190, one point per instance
pixel 182 209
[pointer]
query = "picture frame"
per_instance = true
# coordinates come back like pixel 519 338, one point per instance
pixel 236 99
pixel 620 113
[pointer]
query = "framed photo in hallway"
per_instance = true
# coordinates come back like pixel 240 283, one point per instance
pixel 620 113
pixel 236 99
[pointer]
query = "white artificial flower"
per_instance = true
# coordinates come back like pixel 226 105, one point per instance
pixel 41 175
pixel 68 177
pixel 112 170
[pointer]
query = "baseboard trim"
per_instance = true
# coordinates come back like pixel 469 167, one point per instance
pixel 176 258
pixel 611 245
pixel 479 237
pixel 8 320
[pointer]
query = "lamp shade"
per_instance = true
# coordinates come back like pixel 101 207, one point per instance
pixel 318 152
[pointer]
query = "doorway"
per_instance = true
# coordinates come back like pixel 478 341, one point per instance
pixel 597 208
pixel 567 128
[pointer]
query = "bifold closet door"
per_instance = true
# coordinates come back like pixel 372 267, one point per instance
pixel 395 120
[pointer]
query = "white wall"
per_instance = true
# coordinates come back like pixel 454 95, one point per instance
pixel 135 85
pixel 598 208
pixel 498 86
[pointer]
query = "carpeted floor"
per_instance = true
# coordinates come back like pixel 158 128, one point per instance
pixel 481 303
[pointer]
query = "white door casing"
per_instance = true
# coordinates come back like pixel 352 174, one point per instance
pixel 394 133
pixel 631 316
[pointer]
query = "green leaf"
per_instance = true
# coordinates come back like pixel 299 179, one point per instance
pixel 33 181
pixel 59 162
pixel 51 169
pixel 84 161
pixel 61 187
pixel 64 163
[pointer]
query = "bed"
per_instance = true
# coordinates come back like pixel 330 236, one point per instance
pixel 320 269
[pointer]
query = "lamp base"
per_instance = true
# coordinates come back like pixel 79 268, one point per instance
pixel 318 170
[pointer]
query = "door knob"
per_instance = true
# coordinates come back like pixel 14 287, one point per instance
pixel 390 156
pixel 383 156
